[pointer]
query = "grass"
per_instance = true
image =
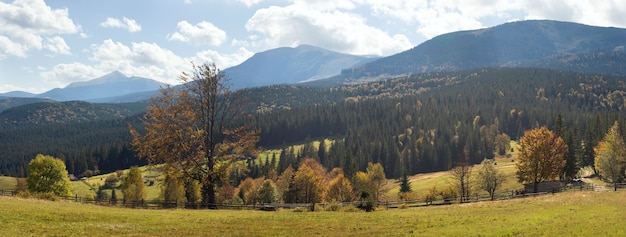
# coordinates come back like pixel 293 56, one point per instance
pixel 81 189
pixel 564 214
pixel 421 184
pixel 8 183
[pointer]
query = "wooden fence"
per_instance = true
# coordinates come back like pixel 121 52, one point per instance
pixel 507 194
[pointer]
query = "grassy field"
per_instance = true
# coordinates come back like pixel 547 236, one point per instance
pixel 81 189
pixel 564 214
pixel 8 183
pixel 422 183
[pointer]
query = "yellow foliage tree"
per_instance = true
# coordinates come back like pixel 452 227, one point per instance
pixel 610 157
pixel 541 157
pixel 133 187
pixel 47 174
pixel 310 181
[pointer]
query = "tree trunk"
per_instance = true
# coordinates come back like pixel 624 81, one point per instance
pixel 209 195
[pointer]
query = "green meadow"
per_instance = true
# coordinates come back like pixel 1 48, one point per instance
pixel 562 214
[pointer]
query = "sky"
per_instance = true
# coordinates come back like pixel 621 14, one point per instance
pixel 50 44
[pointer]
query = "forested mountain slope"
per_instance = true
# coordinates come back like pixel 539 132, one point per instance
pixel 418 123
pixel 535 43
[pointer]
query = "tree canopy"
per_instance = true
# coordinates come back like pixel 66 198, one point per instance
pixel 133 187
pixel 490 178
pixel 192 129
pixel 541 157
pixel 610 157
pixel 47 174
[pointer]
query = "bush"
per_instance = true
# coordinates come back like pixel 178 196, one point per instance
pixel 333 206
pixel 300 209
pixel 367 206
pixel 315 207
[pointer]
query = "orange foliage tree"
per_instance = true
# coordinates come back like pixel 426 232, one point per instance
pixel 541 157
pixel 193 129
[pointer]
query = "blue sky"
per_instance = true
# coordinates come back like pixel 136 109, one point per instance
pixel 48 44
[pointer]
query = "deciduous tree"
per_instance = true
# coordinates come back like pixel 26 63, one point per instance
pixel 490 178
pixel 340 188
pixel 47 174
pixel 310 181
pixel 173 186
pixel 610 157
pixel 462 173
pixel 541 157
pixel 133 187
pixel 193 128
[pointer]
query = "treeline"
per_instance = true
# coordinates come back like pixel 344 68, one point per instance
pixel 86 148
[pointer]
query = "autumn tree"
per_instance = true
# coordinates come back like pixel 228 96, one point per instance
pixel 193 129
pixel 310 182
pixel 284 181
pixel 133 187
pixel 370 183
pixel 541 157
pixel 489 178
pixel 610 157
pixel 248 190
pixel 47 174
pixel 340 188
pixel 461 174
pixel 268 193
pixel 173 186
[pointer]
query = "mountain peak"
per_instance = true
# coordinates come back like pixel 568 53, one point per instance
pixel 114 76
pixel 288 65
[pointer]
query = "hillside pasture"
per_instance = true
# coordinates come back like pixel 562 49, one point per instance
pixel 8 183
pixel 562 214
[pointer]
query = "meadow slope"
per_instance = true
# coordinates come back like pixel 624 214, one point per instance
pixel 562 214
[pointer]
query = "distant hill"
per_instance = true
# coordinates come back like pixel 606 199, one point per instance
pixel 53 112
pixel 112 85
pixel 9 102
pixel 536 43
pixel 291 65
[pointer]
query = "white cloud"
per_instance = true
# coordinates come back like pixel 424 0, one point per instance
pixel 137 59
pixel 126 23
pixel 57 44
pixel 10 48
pixel 25 21
pixel 599 13
pixel 334 30
pixel 223 61
pixel 250 3
pixel 203 33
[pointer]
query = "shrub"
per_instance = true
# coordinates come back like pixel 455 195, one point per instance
pixel 300 209
pixel 333 206
pixel 367 206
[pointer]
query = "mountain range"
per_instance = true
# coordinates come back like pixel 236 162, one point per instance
pixel 538 43
pixel 100 89
pixel 535 43
pixel 288 65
